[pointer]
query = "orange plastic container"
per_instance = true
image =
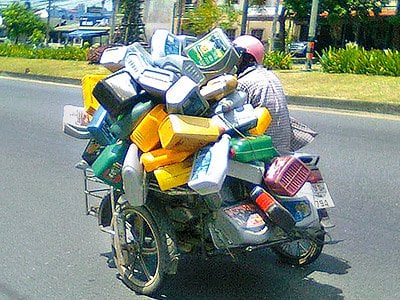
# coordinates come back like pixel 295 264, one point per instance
pixel 162 157
pixel 145 135
pixel 174 175
pixel 263 121
pixel 187 133
pixel 88 83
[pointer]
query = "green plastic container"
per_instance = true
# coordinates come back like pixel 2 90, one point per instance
pixel 252 148
pixel 125 124
pixel 108 165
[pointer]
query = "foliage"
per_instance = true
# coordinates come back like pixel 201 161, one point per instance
pixel 207 15
pixel 37 37
pixel 21 22
pixel 278 60
pixel 202 18
pixel 335 9
pixel 356 60
pixel 27 51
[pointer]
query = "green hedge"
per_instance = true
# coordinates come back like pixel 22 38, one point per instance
pixel 26 51
pixel 278 60
pixel 356 60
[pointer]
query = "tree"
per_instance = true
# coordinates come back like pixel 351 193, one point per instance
pixel 21 22
pixel 208 15
pixel 131 28
pixel 338 13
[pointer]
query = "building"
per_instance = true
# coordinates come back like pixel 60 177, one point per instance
pixel 169 14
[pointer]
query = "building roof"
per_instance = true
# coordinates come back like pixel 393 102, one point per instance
pixel 86 33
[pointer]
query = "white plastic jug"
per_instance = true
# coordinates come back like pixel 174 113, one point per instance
pixel 132 177
pixel 210 167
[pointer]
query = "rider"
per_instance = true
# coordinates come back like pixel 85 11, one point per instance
pixel 264 89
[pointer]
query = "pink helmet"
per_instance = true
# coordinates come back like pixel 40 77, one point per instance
pixel 252 45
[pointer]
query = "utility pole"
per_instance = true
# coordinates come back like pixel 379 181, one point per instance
pixel 276 15
pixel 48 23
pixel 311 34
pixel 115 8
pixel 244 17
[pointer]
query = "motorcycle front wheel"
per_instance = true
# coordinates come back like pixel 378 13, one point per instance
pixel 140 250
pixel 301 251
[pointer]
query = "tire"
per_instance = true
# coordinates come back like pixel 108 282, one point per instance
pixel 141 247
pixel 301 251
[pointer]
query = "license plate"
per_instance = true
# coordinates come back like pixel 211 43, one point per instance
pixel 322 197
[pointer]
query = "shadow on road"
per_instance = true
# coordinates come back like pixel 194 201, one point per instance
pixel 254 276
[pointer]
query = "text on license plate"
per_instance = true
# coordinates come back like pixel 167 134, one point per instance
pixel 322 197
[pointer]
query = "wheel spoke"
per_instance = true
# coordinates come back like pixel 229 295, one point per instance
pixel 144 268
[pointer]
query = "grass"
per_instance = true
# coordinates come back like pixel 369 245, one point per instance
pixel 382 89
pixel 296 82
pixel 50 67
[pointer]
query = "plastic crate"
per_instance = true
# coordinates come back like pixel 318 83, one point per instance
pixel 286 175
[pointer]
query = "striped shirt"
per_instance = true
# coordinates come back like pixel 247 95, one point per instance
pixel 264 89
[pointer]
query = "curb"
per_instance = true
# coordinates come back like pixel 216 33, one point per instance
pixel 355 105
pixel 42 78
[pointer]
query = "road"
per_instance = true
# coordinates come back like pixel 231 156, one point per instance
pixel 51 250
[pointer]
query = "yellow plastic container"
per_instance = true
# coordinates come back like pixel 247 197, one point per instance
pixel 145 135
pixel 187 133
pixel 89 101
pixel 263 122
pixel 174 175
pixel 219 87
pixel 162 157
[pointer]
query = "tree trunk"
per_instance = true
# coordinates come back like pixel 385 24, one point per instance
pixel 282 31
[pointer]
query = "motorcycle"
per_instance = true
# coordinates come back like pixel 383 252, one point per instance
pixel 149 240
pixel 279 203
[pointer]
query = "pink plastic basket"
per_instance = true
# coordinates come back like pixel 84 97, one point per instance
pixel 286 175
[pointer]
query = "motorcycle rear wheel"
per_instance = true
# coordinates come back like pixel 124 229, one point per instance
pixel 302 251
pixel 141 251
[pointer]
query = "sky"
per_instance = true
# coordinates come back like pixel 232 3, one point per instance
pixel 38 4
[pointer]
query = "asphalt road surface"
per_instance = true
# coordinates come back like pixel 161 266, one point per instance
pixel 51 250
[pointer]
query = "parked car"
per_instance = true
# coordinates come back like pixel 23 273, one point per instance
pixel 298 49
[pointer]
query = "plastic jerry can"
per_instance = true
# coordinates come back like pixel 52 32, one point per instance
pixel 219 87
pixel 125 124
pixel 242 119
pixel 184 98
pixel 108 165
pixel 118 93
pixel 236 99
pixel 88 83
pixel 145 135
pixel 253 148
pixel 174 175
pixel 157 81
pixel 241 224
pixel 214 54
pixel 75 122
pixel 182 66
pixel 210 167
pixel 99 127
pixel 132 177
pixel 251 172
pixel 137 59
pixel 162 157
pixel 92 151
pixel 263 121
pixel 187 133
pixel 164 43
pixel 286 175
pixel 113 58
